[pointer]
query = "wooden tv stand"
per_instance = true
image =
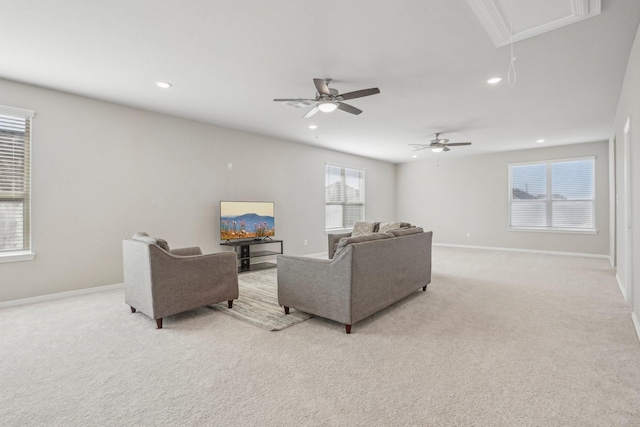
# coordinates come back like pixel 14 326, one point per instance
pixel 245 255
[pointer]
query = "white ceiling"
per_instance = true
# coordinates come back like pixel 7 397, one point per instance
pixel 227 60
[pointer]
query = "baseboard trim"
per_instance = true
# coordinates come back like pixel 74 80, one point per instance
pixel 59 295
pixel 533 251
pixel 623 290
pixel 636 323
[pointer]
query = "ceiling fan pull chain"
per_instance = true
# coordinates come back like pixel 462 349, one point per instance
pixel 511 76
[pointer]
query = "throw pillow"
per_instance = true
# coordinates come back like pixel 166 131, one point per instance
pixel 341 244
pixel 362 228
pixel 388 226
pixel 163 244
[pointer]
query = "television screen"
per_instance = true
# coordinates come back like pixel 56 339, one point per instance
pixel 247 220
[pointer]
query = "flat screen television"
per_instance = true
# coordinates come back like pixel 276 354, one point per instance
pixel 246 220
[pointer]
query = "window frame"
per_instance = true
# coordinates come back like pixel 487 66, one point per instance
pixel 549 200
pixel 345 203
pixel 25 253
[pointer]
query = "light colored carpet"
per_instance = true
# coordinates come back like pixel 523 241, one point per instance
pixel 498 339
pixel 258 302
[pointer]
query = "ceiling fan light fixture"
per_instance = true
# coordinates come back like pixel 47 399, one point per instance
pixel 437 149
pixel 327 106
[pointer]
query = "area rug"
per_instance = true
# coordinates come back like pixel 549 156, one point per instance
pixel 258 302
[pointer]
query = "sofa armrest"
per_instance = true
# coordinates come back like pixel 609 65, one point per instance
pixel 316 286
pixel 333 242
pixel 193 250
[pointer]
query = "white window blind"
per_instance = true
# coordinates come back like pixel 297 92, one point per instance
pixel 344 196
pixel 15 180
pixel 555 195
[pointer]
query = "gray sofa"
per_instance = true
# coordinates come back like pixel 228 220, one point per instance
pixel 160 282
pixel 367 274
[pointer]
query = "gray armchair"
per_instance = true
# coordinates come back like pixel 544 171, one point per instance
pixel 160 282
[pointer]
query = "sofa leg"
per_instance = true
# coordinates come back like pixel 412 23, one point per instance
pixel 133 309
pixel 424 288
pixel 159 323
pixel 230 303
pixel 286 309
pixel 347 328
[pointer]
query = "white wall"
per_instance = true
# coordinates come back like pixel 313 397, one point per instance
pixel 629 109
pixel 103 171
pixel 454 196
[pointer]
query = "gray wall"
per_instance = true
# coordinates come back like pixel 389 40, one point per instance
pixel 628 108
pixel 454 196
pixel 103 171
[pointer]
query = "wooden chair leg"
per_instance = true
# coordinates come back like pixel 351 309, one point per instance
pixel 230 303
pixel 133 309
pixel 286 309
pixel 424 288
pixel 347 328
pixel 159 323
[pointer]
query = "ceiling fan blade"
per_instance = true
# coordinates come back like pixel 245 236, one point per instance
pixel 322 87
pixel 348 108
pixel 360 93
pixel 445 148
pixel 294 100
pixel 420 148
pixel 311 112
pixel 458 143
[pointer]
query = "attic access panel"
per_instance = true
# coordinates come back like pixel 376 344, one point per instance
pixel 530 17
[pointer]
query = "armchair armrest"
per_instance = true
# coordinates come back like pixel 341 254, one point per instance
pixel 193 250
pixel 185 282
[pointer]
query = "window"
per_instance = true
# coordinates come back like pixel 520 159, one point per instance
pixel 553 196
pixel 15 171
pixel 344 196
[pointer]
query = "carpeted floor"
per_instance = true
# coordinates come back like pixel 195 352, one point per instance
pixel 498 339
pixel 258 302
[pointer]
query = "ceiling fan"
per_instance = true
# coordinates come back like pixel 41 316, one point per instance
pixel 438 144
pixel 328 99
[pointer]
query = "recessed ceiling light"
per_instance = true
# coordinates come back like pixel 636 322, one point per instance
pixel 540 141
pixel 163 85
pixel 313 126
pixel 494 80
pixel 415 156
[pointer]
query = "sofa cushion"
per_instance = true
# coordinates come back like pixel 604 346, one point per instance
pixel 388 226
pixel 362 228
pixel 406 231
pixel 345 241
